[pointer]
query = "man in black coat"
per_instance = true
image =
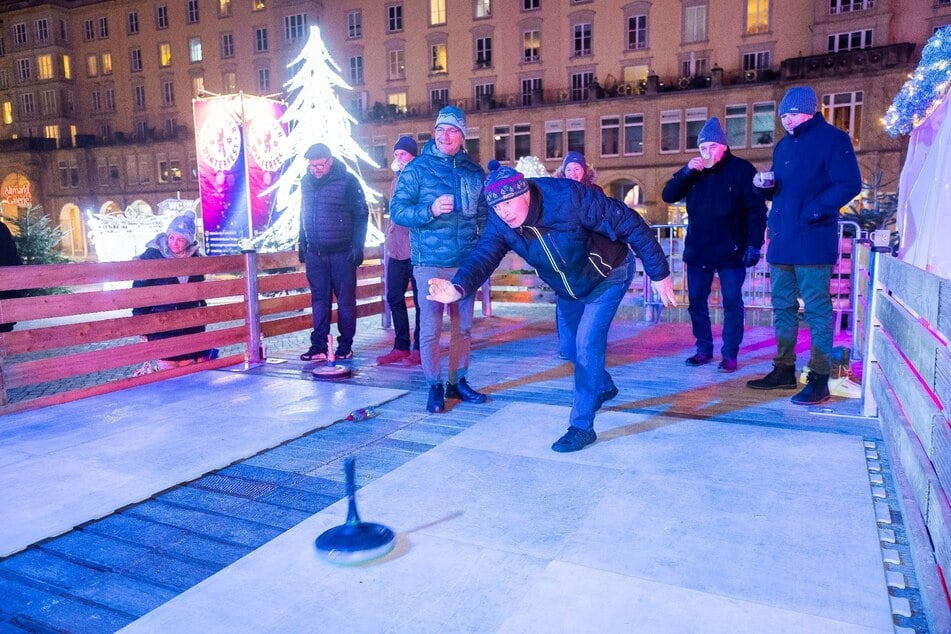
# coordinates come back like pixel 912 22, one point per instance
pixel 8 257
pixel 333 228
pixel 725 232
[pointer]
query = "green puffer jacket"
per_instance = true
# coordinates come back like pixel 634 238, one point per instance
pixel 446 240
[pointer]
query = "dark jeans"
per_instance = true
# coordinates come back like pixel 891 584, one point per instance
pixel 699 281
pixel 399 274
pixel 330 275
pixel 583 327
pixel 811 283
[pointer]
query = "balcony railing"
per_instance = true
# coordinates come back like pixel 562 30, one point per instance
pixel 847 62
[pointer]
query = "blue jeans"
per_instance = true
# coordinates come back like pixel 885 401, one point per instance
pixel 699 281
pixel 330 275
pixel 583 324
pixel 399 275
pixel 810 282
pixel 430 327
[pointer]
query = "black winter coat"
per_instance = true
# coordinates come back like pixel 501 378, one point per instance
pixel 8 257
pixel 333 213
pixel 726 213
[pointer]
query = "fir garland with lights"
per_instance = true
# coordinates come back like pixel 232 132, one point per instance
pixel 925 89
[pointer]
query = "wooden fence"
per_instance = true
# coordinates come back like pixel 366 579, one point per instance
pixel 905 315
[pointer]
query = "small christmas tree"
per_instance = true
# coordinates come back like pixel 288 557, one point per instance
pixel 37 242
pixel 314 115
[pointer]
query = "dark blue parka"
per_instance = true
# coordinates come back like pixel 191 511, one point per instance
pixel 444 240
pixel 574 236
pixel 726 213
pixel 333 213
pixel 816 175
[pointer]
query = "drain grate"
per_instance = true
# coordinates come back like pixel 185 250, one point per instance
pixel 239 487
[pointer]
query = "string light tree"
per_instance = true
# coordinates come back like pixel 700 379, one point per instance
pixel 314 114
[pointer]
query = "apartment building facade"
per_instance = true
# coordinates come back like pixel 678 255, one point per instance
pixel 95 97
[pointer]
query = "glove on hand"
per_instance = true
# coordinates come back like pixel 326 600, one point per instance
pixel 750 257
pixel 357 257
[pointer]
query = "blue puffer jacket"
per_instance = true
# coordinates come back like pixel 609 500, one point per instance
pixel 333 213
pixel 447 239
pixel 816 174
pixel 727 214
pixel 574 236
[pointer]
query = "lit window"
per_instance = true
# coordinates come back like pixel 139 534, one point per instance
pixel 844 111
pixel 438 58
pixel 194 49
pixel 531 46
pixel 165 54
pixel 44 67
pixel 757 16
pixel 437 12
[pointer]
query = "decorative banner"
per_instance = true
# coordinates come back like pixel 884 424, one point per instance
pixel 266 141
pixel 16 190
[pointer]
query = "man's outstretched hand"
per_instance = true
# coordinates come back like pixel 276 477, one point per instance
pixel 442 291
pixel 665 289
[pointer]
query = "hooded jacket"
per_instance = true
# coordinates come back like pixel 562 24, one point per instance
pixel 441 241
pixel 333 213
pixel 816 175
pixel 573 235
pixel 727 214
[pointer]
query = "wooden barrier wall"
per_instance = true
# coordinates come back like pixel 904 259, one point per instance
pixel 907 383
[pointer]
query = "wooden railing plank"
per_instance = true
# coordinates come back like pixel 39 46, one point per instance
pixel 914 340
pixel 917 291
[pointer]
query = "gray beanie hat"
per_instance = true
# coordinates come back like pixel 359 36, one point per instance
pixel 183 225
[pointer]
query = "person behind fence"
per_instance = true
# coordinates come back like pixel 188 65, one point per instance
pixel 399 271
pixel 724 237
pixel 333 228
pixel 178 241
pixel 577 239
pixel 9 256
pixel 439 197
pixel 814 174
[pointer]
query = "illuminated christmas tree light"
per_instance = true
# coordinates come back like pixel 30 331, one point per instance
pixel 925 89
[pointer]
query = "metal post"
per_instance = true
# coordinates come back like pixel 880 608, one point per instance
pixel 872 325
pixel 255 337
pixel 487 298
pixel 385 315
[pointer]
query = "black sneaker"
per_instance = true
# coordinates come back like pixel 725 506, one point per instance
pixel 436 402
pixel 463 391
pixel 574 439
pixel 783 377
pixel 313 354
pixel 815 392
pixel 701 358
pixel 607 395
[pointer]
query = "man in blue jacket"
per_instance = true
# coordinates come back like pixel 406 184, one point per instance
pixel 333 228
pixel 439 197
pixel 815 175
pixel 725 234
pixel 577 239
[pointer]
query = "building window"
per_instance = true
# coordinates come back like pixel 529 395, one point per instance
pixel 48 101
pixel 531 5
pixel 522 138
pixel 260 39
pixel 295 27
pixel 8 112
pixel 19 33
pixel 484 95
pixel 194 49
pixel 3 49
pixel 473 147
pixel 24 69
pixel 610 136
pixel 670 131
pixel 753 63
pixel 264 79
pixel 532 91
pixel 500 139
pixel 554 139
pixel 89 30
pixel 168 92
pixel 735 122
pixel 531 46
pixel 356 69
pixel 69 173
pixel 224 8
pixel 438 57
pixel 355 24
pixel 764 124
pixel 27 104
pixel 161 17
pixel 258 5
pixel 170 170
pixel 396 64
pixel 62 30
pixel 103 28
pixel 575 129
pixel 695 118
pixel 109 99
pixel 438 97
pixel 165 54
pixel 633 134
pixel 483 9
pixel 191 11
pixel 636 32
pixel 135 60
pixel 844 111
pixel 757 16
pixel 198 85
pixel 394 18
pixel 4 79
pixel 483 49
pixel 582 39
pixel 229 79
pixel 106 59
pixel 44 67
pixel 695 23
pixel 92 65
pixel 579 85
pixel 845 6
pixel 138 97
pixel 437 12
pixel 133 22
pixel 397 101
pixel 850 41
pixel 67 67
pixel 42 30
pixel 693 66
pixel 227 45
